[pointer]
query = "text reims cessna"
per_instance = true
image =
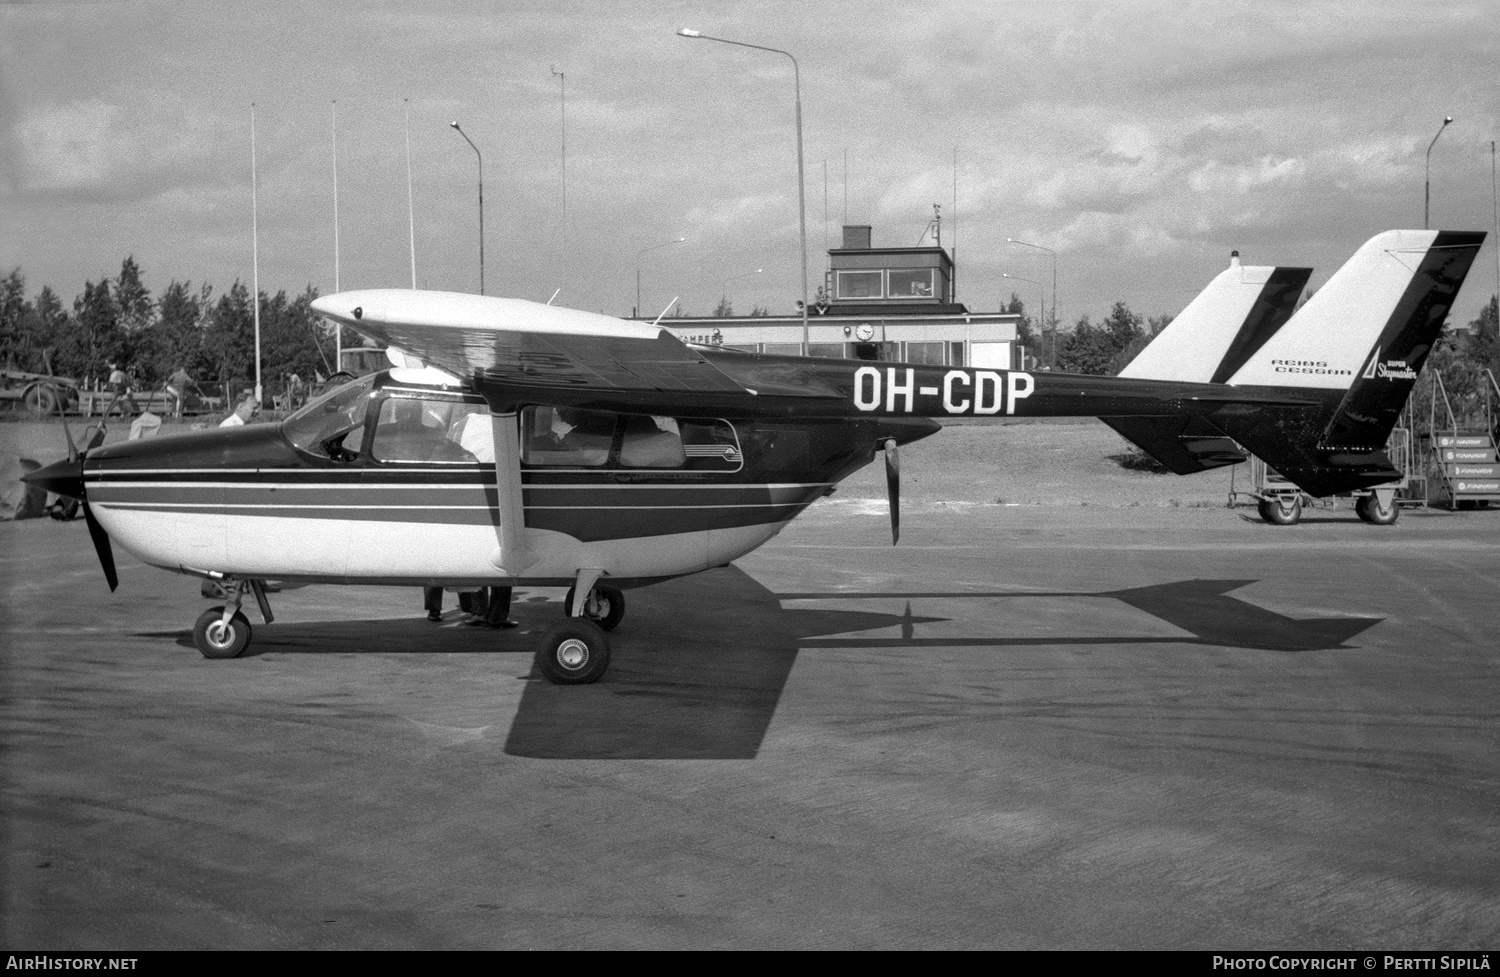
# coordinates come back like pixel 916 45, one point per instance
pixel 543 446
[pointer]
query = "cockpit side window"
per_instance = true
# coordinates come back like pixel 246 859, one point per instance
pixel 432 430
pixel 332 426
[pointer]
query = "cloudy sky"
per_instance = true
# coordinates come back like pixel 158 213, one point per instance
pixel 1142 142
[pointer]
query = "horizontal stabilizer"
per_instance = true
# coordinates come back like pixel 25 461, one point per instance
pixel 1183 445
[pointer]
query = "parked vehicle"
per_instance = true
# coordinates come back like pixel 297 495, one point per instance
pixel 40 393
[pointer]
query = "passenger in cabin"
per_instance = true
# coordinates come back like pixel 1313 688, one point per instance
pixel 476 437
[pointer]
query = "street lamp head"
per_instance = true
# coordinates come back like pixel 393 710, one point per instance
pixel 688 32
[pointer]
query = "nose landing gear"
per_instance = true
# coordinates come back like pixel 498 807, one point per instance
pixel 224 632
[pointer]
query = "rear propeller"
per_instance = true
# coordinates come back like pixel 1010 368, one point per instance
pixel 893 487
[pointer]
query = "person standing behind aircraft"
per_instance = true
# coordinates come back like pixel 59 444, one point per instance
pixel 243 412
pixel 177 385
pixel 119 388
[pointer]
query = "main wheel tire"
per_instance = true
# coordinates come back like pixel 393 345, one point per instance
pixel 609 609
pixel 39 399
pixel 1275 512
pixel 217 639
pixel 575 652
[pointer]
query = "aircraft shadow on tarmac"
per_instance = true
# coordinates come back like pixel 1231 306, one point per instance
pixel 700 663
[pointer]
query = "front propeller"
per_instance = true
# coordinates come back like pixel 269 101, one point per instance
pixel 65 478
pixel 893 487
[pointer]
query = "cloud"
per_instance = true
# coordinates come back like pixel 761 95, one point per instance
pixel 123 150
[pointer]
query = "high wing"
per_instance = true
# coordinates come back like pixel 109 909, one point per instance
pixel 513 342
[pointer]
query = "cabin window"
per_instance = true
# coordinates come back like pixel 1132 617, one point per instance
pixel 433 431
pixel 710 445
pixel 562 437
pixel 567 437
pixel 909 283
pixel 859 284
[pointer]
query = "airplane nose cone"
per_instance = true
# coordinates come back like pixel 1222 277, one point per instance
pixel 61 478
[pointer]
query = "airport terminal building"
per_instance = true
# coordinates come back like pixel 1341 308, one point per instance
pixel 888 304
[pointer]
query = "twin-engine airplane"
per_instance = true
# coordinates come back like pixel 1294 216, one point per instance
pixel 531 445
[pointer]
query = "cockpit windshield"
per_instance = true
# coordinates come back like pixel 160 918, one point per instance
pixel 322 426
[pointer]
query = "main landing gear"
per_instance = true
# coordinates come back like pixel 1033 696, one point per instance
pixel 576 652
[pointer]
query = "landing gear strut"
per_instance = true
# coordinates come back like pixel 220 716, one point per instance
pixel 605 605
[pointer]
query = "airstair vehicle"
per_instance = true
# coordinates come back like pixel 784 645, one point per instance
pixel 1462 458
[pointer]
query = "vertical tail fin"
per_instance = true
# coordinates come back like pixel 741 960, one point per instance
pixel 1354 350
pixel 1212 338
pixel 1223 326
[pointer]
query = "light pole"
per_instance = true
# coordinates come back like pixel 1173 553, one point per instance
pixel 477 153
pixel 675 240
pixel 1042 289
pixel 801 189
pixel 562 81
pixel 1027 244
pixel 1427 185
pixel 724 289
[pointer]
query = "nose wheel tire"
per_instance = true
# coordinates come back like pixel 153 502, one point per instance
pixel 217 639
pixel 575 652
pixel 605 606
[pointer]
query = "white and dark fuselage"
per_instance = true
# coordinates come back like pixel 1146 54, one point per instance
pixel 359 506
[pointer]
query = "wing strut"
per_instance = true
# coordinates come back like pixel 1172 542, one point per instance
pixel 515 554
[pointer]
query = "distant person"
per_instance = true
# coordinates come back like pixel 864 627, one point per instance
pixel 471 602
pixel 495 611
pixel 177 386
pixel 244 411
pixel 118 386
pixel 293 390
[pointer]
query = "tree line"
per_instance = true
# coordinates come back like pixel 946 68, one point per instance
pixel 118 320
